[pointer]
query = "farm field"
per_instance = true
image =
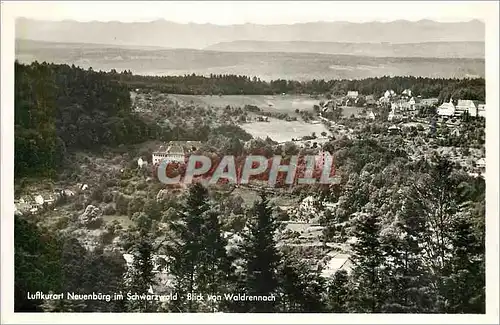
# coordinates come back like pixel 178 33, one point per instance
pixel 278 130
pixel 282 131
pixel 268 103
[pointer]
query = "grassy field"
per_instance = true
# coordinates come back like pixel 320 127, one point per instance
pixel 276 129
pixel 282 131
pixel 279 103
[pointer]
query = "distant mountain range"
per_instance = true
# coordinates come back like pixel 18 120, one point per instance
pixel 423 50
pixel 163 33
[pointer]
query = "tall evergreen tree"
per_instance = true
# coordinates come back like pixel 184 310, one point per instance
pixel 367 258
pixel 187 246
pixel 464 288
pixel 409 288
pixel 140 276
pixel 301 288
pixel 338 292
pixel 216 273
pixel 37 264
pixel 261 256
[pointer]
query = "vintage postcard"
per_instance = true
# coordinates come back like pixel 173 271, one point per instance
pixel 249 162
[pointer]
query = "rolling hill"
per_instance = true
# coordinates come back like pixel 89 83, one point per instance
pixel 298 66
pixel 424 50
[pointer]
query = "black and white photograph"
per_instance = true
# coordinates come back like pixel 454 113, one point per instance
pixel 235 159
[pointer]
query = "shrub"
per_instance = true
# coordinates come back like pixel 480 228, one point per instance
pixel 62 223
pixel 135 205
pixel 107 197
pixel 95 223
pixel 109 210
pixel 141 186
pixel 121 203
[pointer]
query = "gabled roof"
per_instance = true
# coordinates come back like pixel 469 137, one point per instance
pixel 467 103
pixel 175 150
pixel 447 105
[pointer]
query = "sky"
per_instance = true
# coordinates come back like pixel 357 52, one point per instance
pixel 258 12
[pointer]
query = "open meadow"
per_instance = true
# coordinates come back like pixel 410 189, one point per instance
pixel 276 129
pixel 267 103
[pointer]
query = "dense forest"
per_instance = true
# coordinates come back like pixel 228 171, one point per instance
pixel 60 108
pixel 235 85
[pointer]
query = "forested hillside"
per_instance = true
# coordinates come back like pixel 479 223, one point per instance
pixel 217 84
pixel 60 108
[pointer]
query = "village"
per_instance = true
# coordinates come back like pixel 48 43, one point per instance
pixel 398 117
pixel 402 113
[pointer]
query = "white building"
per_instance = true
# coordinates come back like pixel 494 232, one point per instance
pixel 172 153
pixel 406 92
pixel 39 200
pixel 389 93
pixel 466 106
pixel 446 109
pixel 352 94
pixel 160 262
pixel 481 110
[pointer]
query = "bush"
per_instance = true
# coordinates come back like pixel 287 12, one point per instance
pixel 121 203
pixel 62 223
pixel 282 216
pixel 109 210
pixel 234 222
pixel 107 197
pixel 135 205
pixel 141 186
pixel 97 194
pixel 153 209
pixel 95 223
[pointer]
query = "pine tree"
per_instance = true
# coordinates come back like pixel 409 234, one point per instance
pixel 338 292
pixel 141 277
pixel 433 200
pixel 37 262
pixel 464 288
pixel 261 256
pixel 410 288
pixel 186 249
pixel 216 272
pixel 104 273
pixel 301 288
pixel 367 258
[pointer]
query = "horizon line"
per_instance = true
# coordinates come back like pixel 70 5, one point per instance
pixel 153 20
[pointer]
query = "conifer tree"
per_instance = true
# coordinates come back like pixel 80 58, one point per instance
pixel 301 288
pixel 338 292
pixel 187 246
pixel 141 277
pixel 410 288
pixel 216 273
pixel 367 258
pixel 37 264
pixel 261 256
pixel 464 288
